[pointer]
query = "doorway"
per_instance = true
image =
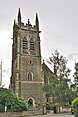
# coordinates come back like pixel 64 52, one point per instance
pixel 30 102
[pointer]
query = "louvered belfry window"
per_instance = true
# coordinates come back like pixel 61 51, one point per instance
pixel 32 45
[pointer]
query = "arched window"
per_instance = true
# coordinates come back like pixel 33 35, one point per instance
pixel 30 76
pixel 32 44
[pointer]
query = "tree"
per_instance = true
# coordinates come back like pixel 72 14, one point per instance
pixel 59 64
pixel 58 84
pixel 75 84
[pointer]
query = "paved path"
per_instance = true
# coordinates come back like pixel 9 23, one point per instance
pixel 56 115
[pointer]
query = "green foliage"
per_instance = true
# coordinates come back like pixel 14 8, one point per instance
pixel 75 106
pixel 59 64
pixel 7 98
pixel 75 84
pixel 2 107
pixel 58 80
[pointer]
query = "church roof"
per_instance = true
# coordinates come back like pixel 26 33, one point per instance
pixel 47 72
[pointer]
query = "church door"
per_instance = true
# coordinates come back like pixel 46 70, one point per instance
pixel 30 102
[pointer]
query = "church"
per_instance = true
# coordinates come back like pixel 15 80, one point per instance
pixel 27 76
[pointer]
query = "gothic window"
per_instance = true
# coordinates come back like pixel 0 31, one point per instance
pixel 25 45
pixel 30 76
pixel 32 44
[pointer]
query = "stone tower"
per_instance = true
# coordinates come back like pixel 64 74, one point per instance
pixel 27 76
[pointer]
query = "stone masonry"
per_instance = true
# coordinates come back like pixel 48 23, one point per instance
pixel 27 77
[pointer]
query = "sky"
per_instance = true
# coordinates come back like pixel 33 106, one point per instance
pixel 58 22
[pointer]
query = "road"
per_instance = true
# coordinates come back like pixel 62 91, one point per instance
pixel 56 115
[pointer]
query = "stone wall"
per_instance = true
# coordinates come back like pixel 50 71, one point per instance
pixel 12 114
pixel 65 109
pixel 36 111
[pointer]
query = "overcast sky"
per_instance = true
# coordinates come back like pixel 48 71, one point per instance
pixel 58 23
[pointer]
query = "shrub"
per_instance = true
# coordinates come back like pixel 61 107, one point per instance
pixel 75 106
pixel 11 101
pixel 2 107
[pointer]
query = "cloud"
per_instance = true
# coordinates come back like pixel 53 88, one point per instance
pixel 5 56
pixel 5 49
pixel 60 36
pixel 6 77
pixel 73 56
pixel 6 71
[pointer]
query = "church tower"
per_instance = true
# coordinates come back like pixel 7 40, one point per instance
pixel 27 77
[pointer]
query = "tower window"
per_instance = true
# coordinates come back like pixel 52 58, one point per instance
pixel 25 45
pixel 32 44
pixel 30 76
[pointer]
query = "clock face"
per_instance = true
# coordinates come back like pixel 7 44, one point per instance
pixel 30 62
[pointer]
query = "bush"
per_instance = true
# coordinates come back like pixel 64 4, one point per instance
pixel 7 98
pixel 2 107
pixel 75 106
